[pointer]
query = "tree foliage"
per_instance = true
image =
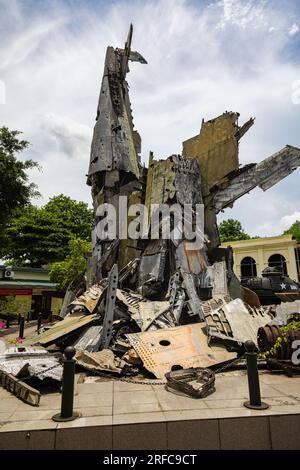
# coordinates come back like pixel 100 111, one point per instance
pixel 73 267
pixel 15 189
pixel 8 306
pixel 232 230
pixel 41 236
pixel 294 230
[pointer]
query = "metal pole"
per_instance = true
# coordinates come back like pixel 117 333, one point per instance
pixel 253 379
pixel 28 317
pixel 19 318
pixel 8 321
pixel 39 323
pixel 50 318
pixel 21 327
pixel 67 397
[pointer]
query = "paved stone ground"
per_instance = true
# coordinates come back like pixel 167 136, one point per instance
pixel 116 414
pixel 121 415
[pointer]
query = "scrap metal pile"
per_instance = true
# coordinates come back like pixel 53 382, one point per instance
pixel 155 305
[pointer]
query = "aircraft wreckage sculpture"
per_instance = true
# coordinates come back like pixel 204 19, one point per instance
pixel 161 282
pixel 157 303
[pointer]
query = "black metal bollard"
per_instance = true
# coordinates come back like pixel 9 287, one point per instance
pixel 39 323
pixel 7 321
pixel 21 327
pixel 67 397
pixel 19 318
pixel 253 379
pixel 50 318
pixel 28 317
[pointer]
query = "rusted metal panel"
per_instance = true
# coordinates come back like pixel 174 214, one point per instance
pixel 183 346
pixel 269 335
pixel 250 297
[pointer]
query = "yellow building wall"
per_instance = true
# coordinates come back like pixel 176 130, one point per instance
pixel 260 249
pixel 56 304
pixel 30 276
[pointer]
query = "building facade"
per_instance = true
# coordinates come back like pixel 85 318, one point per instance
pixel 30 289
pixel 252 256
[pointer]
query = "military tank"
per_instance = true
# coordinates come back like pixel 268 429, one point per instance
pixel 273 287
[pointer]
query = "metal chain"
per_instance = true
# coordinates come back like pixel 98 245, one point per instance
pixel 151 382
pixel 155 382
pixel 221 369
pixel 127 379
pixel 141 382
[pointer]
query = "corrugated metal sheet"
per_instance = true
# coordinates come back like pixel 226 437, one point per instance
pixel 90 339
pixel 61 329
pixel 90 298
pixel 144 312
pixel 236 321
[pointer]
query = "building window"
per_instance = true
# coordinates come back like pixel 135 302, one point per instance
pixel 248 267
pixel 279 262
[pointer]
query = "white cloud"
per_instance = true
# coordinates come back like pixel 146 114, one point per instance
pixel 242 13
pixel 203 58
pixel 288 220
pixel 73 139
pixel 294 29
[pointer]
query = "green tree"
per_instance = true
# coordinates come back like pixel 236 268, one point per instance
pixel 294 230
pixel 8 306
pixel 15 189
pixel 41 236
pixel 73 267
pixel 232 230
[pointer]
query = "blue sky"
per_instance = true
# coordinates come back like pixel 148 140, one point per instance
pixel 204 57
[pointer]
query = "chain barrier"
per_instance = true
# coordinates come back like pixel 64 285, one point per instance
pixel 155 382
pixel 226 366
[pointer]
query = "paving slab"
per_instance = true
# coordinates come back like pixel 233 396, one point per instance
pixel 115 413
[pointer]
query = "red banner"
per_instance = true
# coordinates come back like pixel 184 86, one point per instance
pixel 14 291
